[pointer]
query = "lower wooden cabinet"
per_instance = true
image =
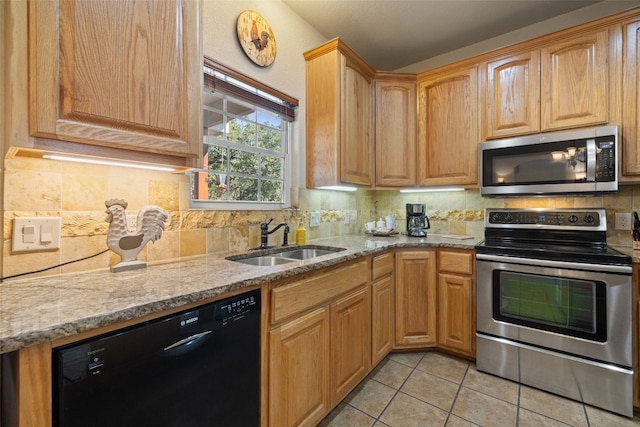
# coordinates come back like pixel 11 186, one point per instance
pixel 299 370
pixel 350 342
pixel 383 310
pixel 456 315
pixel 416 299
pixel 319 343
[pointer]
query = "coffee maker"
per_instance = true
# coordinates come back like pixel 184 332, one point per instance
pixel 417 221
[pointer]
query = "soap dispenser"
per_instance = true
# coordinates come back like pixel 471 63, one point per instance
pixel 301 234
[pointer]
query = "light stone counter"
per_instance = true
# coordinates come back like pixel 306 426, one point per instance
pixel 34 311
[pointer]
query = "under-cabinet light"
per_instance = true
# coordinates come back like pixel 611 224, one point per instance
pixel 430 190
pixel 108 162
pixel 338 188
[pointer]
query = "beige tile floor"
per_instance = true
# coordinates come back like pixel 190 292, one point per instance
pixel 433 389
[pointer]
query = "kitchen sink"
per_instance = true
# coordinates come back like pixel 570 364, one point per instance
pixel 265 261
pixel 304 253
pixel 284 256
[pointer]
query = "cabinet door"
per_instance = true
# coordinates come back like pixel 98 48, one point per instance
pixel 631 99
pixel 383 318
pixel 350 342
pixel 339 128
pixel 455 315
pixel 356 136
pixel 511 96
pixel 395 133
pixel 416 299
pixel 120 74
pixel 299 360
pixel 448 128
pixel 574 76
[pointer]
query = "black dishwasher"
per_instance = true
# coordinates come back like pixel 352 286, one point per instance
pixel 200 367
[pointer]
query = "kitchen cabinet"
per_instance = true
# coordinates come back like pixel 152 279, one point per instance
pixel 350 342
pixel 395 125
pixel 299 359
pixel 631 98
pixel 117 74
pixel 319 342
pixel 511 102
pixel 574 78
pixel 562 84
pixel 382 307
pixel 448 127
pixel 340 114
pixel 416 292
pixel 456 313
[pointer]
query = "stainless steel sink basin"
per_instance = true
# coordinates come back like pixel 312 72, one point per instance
pixel 284 256
pixel 304 253
pixel 265 261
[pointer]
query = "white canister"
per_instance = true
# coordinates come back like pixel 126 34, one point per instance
pixel 380 223
pixel 391 221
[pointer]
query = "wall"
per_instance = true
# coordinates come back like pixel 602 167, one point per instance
pixel 577 17
pixel 77 193
pixel 463 212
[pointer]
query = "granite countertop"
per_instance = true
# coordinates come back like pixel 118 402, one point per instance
pixel 34 311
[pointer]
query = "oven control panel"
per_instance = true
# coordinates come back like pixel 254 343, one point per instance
pixel 541 218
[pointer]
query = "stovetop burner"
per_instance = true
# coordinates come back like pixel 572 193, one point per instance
pixel 550 234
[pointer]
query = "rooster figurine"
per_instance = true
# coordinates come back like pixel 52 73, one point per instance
pixel 128 243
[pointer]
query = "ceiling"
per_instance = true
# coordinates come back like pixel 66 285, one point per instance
pixel 391 34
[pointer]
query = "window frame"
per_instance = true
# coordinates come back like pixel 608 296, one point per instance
pixel 231 84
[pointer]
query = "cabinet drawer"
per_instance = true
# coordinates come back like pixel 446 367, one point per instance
pixel 382 265
pixel 456 262
pixel 297 297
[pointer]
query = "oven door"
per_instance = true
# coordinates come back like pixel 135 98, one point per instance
pixel 578 309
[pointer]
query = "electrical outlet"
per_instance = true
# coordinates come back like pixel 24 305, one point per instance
pixel 132 222
pixel 347 217
pixel 315 219
pixel 623 221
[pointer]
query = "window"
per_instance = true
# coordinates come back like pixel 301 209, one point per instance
pixel 245 159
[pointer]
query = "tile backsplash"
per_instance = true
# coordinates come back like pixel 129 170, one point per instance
pixel 77 193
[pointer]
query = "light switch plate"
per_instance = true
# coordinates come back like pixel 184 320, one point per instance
pixel 35 234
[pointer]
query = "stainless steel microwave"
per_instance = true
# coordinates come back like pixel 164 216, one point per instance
pixel 564 162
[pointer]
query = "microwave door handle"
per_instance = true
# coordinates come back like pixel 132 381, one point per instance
pixel 591 160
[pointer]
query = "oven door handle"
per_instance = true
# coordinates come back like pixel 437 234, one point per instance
pixel 623 269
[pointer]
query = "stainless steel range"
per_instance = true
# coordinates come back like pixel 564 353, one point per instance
pixel 554 305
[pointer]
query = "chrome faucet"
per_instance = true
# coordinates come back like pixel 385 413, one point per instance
pixel 264 233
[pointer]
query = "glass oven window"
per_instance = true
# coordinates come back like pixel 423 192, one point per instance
pixel 568 306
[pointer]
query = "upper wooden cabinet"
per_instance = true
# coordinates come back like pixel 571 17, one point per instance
pixel 562 84
pixel 117 74
pixel 574 78
pixel 511 103
pixel 340 114
pixel 448 127
pixel 631 98
pixel 395 137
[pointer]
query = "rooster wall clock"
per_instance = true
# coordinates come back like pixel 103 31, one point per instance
pixel 256 38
